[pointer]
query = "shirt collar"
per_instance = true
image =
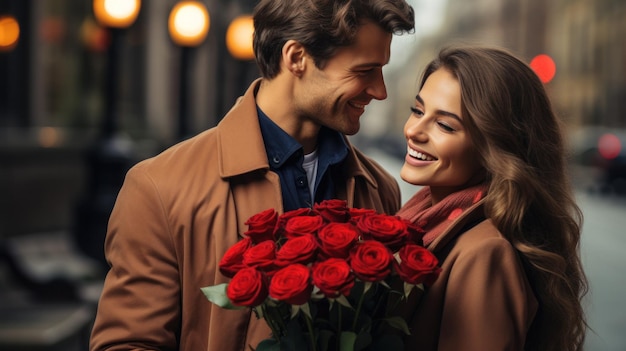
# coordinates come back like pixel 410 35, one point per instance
pixel 280 146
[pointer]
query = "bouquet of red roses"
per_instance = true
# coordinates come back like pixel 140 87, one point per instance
pixel 321 277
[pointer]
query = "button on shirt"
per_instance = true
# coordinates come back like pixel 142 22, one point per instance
pixel 285 156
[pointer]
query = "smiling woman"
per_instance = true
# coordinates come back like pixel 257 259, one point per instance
pixel 441 153
pixel 496 206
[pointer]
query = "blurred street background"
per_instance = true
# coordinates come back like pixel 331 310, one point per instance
pixel 89 88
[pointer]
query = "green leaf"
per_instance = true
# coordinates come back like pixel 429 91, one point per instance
pixel 269 345
pixel 346 341
pixel 217 295
pixel 367 286
pixel 398 323
pixel 407 289
pixel 343 301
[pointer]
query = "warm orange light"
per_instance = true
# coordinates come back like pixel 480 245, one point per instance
pixel 239 38
pixel 189 23
pixel 9 33
pixel 544 67
pixel 49 137
pixel 116 13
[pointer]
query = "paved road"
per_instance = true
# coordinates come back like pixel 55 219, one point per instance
pixel 603 252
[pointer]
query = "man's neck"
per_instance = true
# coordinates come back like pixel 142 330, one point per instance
pixel 275 98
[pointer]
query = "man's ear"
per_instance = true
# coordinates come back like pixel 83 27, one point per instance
pixel 294 57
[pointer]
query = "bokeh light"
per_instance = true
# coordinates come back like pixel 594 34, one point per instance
pixel 544 67
pixel 239 38
pixel 116 13
pixel 9 33
pixel 189 23
pixel 609 146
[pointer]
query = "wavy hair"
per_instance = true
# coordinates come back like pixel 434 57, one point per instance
pixel 321 26
pixel 521 144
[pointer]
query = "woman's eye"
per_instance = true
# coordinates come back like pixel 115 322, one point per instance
pixel 416 111
pixel 445 127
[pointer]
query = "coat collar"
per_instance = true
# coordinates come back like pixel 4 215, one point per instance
pixel 240 143
pixel 469 218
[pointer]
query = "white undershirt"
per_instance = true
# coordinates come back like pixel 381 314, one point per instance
pixel 310 167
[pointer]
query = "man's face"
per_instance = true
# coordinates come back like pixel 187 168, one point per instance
pixel 336 95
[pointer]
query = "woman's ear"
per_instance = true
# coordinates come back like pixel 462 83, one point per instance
pixel 294 57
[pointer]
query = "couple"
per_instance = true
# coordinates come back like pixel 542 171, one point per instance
pixel 481 138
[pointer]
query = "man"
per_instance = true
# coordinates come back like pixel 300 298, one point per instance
pixel 281 146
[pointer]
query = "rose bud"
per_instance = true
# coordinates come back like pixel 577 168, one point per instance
pixel 417 265
pixel 333 277
pixel 301 249
pixel 261 256
pixel 389 230
pixel 337 239
pixel 333 210
pixel 262 226
pixel 297 226
pixel 247 288
pixel 371 261
pixel 232 261
pixel 292 284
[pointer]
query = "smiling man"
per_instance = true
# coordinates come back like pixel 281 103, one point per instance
pixel 282 146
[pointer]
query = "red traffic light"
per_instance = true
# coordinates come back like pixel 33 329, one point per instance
pixel 544 67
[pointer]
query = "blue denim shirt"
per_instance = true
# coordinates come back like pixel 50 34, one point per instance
pixel 285 156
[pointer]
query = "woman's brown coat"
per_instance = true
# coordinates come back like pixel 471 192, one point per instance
pixel 481 301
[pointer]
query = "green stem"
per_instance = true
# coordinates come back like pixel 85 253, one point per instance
pixel 270 321
pixel 309 326
pixel 358 310
pixel 339 325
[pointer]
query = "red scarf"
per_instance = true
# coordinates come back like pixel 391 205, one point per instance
pixel 436 219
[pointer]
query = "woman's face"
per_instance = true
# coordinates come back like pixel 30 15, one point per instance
pixel 440 153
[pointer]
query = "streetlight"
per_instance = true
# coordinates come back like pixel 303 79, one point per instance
pixel 9 33
pixel 112 154
pixel 239 38
pixel 188 26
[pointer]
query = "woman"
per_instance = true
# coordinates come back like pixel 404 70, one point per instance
pixel 497 208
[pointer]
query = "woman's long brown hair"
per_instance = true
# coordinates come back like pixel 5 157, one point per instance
pixel 521 143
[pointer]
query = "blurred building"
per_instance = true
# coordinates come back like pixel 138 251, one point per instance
pixel 53 97
pixel 585 38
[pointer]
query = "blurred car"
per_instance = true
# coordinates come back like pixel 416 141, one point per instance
pixel 603 149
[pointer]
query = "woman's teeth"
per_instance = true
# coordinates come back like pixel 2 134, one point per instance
pixel 419 155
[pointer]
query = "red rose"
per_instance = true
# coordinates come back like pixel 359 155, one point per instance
pixel 333 277
pixel 357 213
pixel 247 288
pixel 337 239
pixel 417 265
pixel 333 210
pixel 292 284
pixel 371 261
pixel 389 230
pixel 285 217
pixel 416 233
pixel 261 256
pixel 297 226
pixel 232 261
pixel 301 249
pixel 262 225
